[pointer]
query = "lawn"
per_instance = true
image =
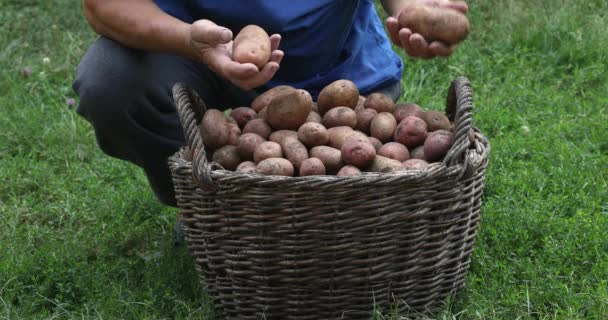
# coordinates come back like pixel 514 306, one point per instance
pixel 83 237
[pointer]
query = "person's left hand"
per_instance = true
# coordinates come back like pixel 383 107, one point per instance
pixel 413 43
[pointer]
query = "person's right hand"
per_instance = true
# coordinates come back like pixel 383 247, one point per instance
pixel 212 45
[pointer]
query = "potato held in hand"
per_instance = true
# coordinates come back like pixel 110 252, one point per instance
pixel 251 45
pixel 433 23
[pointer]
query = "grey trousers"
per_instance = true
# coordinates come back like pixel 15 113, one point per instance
pixel 125 95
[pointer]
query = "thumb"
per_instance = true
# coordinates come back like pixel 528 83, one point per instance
pixel 206 31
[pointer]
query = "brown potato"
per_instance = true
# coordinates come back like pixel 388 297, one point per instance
pixel 258 126
pixel 358 152
pixel 337 136
pixel 411 132
pixel 384 164
pixel 251 45
pixel 331 157
pixel 312 167
pixel 313 134
pixel 233 134
pixel 227 156
pixel 436 120
pixel 214 129
pixel 289 109
pixel 408 109
pixel 263 113
pixel 242 115
pixel 375 142
pixel 415 164
pixel 275 167
pixel 394 150
pixel 267 149
pixel 349 171
pixel 382 126
pixel 248 142
pixel 364 119
pixel 279 135
pixel 360 104
pixel 437 145
pixel 417 153
pixel 340 116
pixel 379 102
pixel 246 167
pixel 314 117
pixel 338 93
pixel 262 101
pixel 294 151
pixel 435 23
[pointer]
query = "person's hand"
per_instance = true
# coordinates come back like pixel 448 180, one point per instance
pixel 413 43
pixel 212 45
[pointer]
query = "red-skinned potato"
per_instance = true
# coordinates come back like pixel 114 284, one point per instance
pixel 410 132
pixel 313 134
pixel 338 93
pixel 382 126
pixel 312 167
pixel 437 144
pixel 348 170
pixel 358 152
pixel 379 102
pixel 275 167
pixel 407 109
pixel 242 115
pixel 251 45
pixel 394 150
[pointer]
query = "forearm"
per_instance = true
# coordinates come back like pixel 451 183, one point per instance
pixel 393 7
pixel 138 24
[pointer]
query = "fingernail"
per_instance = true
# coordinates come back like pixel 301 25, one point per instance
pixel 226 35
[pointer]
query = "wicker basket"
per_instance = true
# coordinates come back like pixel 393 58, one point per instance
pixel 329 247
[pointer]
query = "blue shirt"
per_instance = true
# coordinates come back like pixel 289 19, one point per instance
pixel 323 40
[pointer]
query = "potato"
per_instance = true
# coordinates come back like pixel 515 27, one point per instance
pixel 411 132
pixel 263 113
pixel 384 164
pixel 417 153
pixel 275 167
pixel 289 109
pixel 312 167
pixel 294 151
pixel 437 145
pixel 314 117
pixel 267 149
pixel 364 119
pixel 340 116
pixel 248 142
pixel 415 164
pixel 349 171
pixel 262 101
pixel 379 102
pixel 340 93
pixel 360 104
pixel 242 115
pixel 408 109
pixel 337 136
pixel 258 126
pixel 331 157
pixel 436 120
pixel 313 134
pixel 233 134
pixel 435 23
pixel 315 108
pixel 251 45
pixel 358 152
pixel 375 142
pixel 246 167
pixel 382 126
pixel 279 135
pixel 394 150
pixel 227 156
pixel 214 129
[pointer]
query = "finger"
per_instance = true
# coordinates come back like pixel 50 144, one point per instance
pixel 206 31
pixel 439 49
pixel 275 41
pixel 420 46
pixel 404 39
pixel 461 6
pixel 277 56
pixel 392 26
pixel 267 72
pixel 241 71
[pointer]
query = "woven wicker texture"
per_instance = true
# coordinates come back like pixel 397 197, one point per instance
pixel 326 247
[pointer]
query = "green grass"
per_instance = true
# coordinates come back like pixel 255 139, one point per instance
pixel 82 236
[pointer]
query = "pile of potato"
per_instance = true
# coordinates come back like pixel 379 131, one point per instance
pixel 285 133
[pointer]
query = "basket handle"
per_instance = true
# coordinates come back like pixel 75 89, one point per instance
pixel 191 108
pixel 459 109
